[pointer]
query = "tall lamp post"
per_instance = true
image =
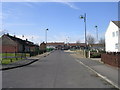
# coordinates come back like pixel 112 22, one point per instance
pixel 84 17
pixel 46 36
pixel 96 32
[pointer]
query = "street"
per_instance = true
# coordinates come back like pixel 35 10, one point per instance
pixel 57 70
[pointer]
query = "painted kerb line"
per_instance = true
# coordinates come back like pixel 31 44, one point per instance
pixel 103 77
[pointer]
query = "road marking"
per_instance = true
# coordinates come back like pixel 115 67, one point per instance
pixel 103 77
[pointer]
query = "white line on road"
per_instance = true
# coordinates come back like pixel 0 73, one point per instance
pixel 103 77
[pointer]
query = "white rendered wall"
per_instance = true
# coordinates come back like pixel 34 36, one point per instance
pixel 110 41
pixel 119 41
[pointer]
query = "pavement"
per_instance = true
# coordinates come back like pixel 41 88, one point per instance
pixel 58 70
pixel 23 62
pixel 105 71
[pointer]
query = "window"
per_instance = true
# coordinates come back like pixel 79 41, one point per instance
pixel 116 46
pixel 113 34
pixel 116 33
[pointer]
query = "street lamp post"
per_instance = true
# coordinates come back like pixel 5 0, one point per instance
pixel 96 32
pixel 46 36
pixel 84 17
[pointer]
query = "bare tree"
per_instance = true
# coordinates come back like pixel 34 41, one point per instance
pixel 90 39
pixel 78 41
pixel 102 41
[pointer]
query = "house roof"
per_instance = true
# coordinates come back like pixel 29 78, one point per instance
pixel 117 23
pixel 25 42
pixel 55 43
pixel 62 43
pixel 76 44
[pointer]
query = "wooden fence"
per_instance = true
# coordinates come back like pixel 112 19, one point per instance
pixel 111 58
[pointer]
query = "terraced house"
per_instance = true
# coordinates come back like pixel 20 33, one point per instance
pixel 11 44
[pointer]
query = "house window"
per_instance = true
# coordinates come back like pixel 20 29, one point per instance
pixel 116 46
pixel 113 34
pixel 116 33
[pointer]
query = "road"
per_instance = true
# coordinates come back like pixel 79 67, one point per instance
pixel 57 70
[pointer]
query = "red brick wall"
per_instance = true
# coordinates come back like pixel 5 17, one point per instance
pixel 111 59
pixel 0 48
pixel 9 49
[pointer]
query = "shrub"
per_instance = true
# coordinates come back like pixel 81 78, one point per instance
pixel 95 55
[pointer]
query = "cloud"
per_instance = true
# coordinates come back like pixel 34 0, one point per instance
pixel 71 5
pixel 28 4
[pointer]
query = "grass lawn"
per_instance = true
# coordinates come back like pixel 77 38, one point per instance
pixel 13 54
pixel 8 60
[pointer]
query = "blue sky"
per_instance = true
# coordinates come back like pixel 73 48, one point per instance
pixel 61 18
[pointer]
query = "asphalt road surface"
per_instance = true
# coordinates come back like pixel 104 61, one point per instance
pixel 58 70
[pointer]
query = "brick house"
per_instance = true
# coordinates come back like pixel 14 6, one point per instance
pixel 55 45
pixel 13 44
pixel 8 45
pixel 43 47
pixel 62 45
pixel 77 45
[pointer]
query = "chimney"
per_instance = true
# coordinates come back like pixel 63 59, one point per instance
pixel 7 33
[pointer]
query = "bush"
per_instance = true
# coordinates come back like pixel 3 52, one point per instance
pixel 93 51
pixel 95 55
pixel 49 49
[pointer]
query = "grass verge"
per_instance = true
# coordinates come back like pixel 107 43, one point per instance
pixel 9 60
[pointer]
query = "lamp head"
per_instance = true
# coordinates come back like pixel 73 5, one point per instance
pixel 96 26
pixel 81 17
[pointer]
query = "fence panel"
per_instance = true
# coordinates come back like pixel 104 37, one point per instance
pixel 111 59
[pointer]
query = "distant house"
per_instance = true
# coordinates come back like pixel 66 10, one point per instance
pixel 55 45
pixel 43 47
pixel 112 37
pixel 13 44
pixel 62 45
pixel 77 45
pixel 96 47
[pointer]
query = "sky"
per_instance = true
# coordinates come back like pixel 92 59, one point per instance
pixel 31 19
